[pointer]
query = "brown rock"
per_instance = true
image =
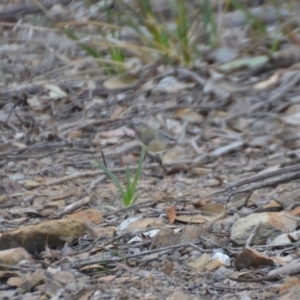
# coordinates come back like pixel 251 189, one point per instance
pixel 251 258
pixel 271 225
pixel 34 238
pixel 286 199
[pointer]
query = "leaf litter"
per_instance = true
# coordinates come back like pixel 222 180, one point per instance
pixel 218 205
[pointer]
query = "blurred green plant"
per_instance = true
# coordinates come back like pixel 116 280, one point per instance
pixel 138 29
pixel 258 24
pixel 155 37
pixel 128 194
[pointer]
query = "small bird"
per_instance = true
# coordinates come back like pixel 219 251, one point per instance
pixel 155 140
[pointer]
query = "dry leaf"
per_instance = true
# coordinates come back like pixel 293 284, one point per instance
pixel 271 206
pixel 296 211
pixel 180 295
pixel 171 213
pixel 18 144
pixel 209 213
pixel 198 264
pixel 90 268
pixel 290 285
pixel 107 278
pixel 189 114
pixel 146 223
pixel 129 159
pixel 215 210
pixel 105 232
pixel 273 80
pixel 55 91
pixel 251 62
pixel 121 81
pixel 118 111
pixel 168 268
pixel 75 134
pixel 122 131
pixel 170 85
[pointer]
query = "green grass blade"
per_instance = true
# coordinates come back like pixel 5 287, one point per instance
pixel 133 13
pixel 128 199
pixel 210 22
pixel 114 179
pixel 90 50
pixel 182 28
pixel 151 22
pixel 182 25
pixel 128 181
pixel 146 6
pixel 70 34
